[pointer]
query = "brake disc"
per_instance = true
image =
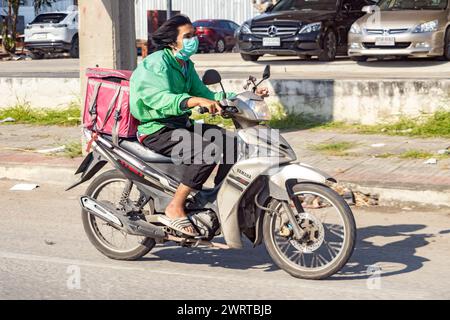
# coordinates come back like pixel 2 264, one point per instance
pixel 314 233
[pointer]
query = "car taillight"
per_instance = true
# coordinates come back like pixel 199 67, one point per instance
pixel 204 31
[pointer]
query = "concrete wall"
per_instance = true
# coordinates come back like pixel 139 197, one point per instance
pixel 39 92
pixel 354 101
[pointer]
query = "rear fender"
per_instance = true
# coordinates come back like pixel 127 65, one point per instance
pixel 91 165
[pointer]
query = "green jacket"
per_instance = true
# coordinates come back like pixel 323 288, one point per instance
pixel 158 87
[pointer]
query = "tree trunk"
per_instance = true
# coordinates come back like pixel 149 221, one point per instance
pixel 9 32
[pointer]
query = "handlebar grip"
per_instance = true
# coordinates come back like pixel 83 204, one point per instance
pixel 203 110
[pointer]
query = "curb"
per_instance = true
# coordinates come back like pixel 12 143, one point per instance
pixel 64 176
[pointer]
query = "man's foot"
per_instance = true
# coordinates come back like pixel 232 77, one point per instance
pixel 177 213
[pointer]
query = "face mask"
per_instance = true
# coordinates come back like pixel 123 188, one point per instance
pixel 190 47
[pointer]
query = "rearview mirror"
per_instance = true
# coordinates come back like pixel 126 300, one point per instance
pixel 369 9
pixel 266 74
pixel 211 77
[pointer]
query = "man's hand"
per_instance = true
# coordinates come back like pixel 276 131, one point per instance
pixel 262 92
pixel 213 106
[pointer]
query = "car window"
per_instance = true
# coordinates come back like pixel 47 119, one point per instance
pixel 356 5
pixel 49 18
pixel 205 24
pixel 305 5
pixel 223 25
pixel 233 26
pixel 391 5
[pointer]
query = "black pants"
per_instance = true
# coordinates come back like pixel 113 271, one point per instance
pixel 199 149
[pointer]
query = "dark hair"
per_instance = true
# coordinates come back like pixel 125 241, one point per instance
pixel 167 34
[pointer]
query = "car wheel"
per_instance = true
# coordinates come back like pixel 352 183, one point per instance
pixel 220 46
pixel 250 57
pixel 447 45
pixel 75 48
pixel 36 55
pixel 329 49
pixel 359 58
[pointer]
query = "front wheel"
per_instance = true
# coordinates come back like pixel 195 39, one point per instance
pixel 447 45
pixel 329 49
pixel 75 48
pixel 329 233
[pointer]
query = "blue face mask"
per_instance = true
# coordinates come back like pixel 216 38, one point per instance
pixel 190 47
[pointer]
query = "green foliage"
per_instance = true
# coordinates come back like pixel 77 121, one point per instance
pixel 24 114
pixel 335 148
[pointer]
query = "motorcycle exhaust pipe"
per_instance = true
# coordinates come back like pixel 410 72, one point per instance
pixel 93 207
pixel 133 227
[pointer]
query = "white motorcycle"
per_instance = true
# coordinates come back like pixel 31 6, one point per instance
pixel 308 229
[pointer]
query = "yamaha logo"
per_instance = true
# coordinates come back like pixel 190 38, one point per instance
pixel 272 31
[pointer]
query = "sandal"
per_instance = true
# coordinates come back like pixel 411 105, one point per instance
pixel 179 225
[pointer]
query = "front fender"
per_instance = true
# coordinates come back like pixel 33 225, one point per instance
pixel 278 182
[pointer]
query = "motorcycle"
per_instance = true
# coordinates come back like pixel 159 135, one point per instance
pixel 308 229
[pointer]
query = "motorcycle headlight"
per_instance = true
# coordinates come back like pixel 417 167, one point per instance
pixel 429 26
pixel 355 29
pixel 245 29
pixel 312 27
pixel 261 110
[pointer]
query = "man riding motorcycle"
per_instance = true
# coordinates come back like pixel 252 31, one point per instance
pixel 163 90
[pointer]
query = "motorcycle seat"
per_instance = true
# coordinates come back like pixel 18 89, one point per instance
pixel 134 147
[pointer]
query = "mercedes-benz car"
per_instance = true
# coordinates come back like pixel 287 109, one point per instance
pixel 302 28
pixel 416 28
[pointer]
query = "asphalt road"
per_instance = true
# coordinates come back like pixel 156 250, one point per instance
pixel 43 247
pixel 231 66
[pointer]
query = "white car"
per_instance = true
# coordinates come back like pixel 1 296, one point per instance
pixel 53 32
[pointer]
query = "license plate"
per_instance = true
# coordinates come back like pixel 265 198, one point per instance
pixel 385 41
pixel 271 42
pixel 40 36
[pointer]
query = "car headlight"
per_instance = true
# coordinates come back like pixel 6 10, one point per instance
pixel 312 27
pixel 245 29
pixel 429 26
pixel 355 29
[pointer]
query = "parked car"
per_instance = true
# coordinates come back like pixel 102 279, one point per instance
pixel 417 28
pixel 53 32
pixel 301 27
pixel 216 35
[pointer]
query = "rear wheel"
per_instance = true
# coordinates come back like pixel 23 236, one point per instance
pixel 250 57
pixel 113 243
pixel 329 49
pixel 220 46
pixel 36 55
pixel 447 45
pixel 329 238
pixel 75 48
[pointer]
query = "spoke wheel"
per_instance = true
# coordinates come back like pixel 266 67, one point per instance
pixel 113 243
pixel 329 234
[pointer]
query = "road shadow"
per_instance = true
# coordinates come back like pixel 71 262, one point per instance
pixel 399 252
pixel 393 257
pixel 290 60
pixel 403 63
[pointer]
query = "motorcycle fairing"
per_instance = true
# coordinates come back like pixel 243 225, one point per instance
pixel 240 180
